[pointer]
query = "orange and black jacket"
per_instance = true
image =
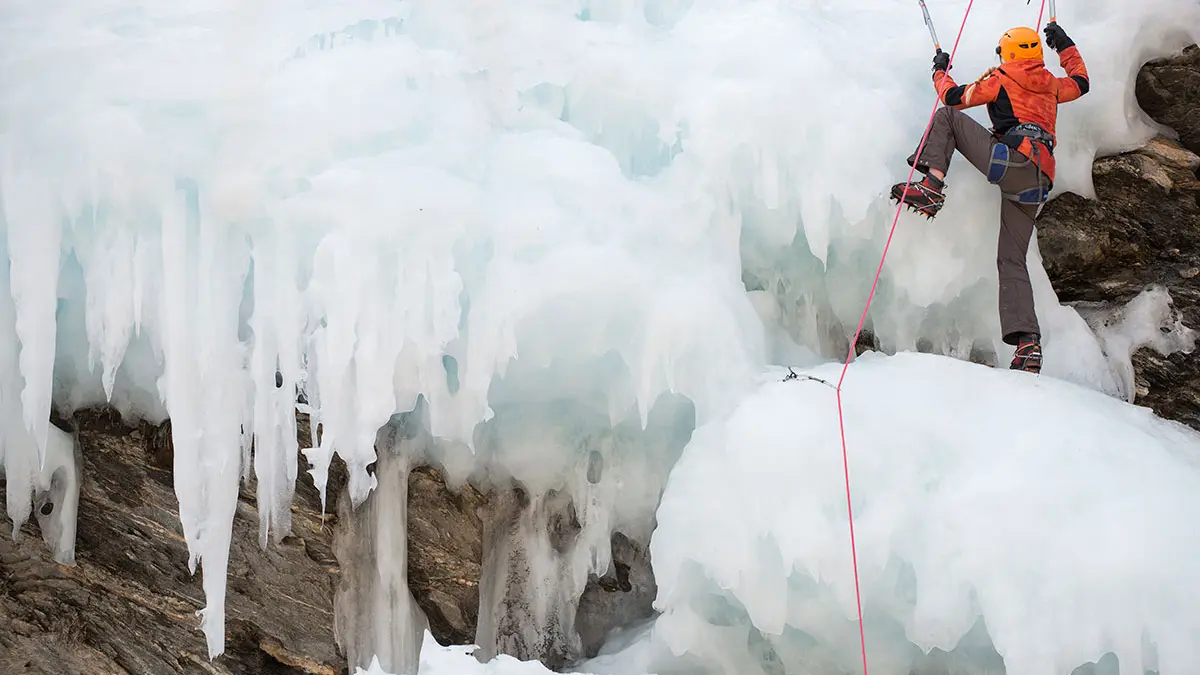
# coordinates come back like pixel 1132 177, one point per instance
pixel 1020 92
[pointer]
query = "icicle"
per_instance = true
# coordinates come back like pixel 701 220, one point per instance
pixel 18 450
pixel 56 499
pixel 34 237
pixel 275 368
pixel 205 391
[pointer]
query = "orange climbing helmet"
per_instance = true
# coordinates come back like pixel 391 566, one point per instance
pixel 1019 44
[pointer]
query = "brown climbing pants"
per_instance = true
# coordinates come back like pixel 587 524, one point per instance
pixel 952 129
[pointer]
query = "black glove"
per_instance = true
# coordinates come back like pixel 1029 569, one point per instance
pixel 1056 37
pixel 941 61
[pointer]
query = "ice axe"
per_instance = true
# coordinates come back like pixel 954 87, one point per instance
pixel 1053 13
pixel 937 47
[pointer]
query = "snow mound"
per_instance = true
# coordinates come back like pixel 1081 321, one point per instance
pixel 1062 519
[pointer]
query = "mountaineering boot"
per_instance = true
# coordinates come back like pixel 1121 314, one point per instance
pixel 1028 356
pixel 924 197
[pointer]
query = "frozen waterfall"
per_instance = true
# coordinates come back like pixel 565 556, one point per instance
pixel 581 237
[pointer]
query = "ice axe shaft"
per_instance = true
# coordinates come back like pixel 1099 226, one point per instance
pixel 1053 13
pixel 937 46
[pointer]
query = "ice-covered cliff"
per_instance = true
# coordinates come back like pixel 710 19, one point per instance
pixel 571 235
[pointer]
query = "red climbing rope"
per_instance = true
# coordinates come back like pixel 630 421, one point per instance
pixel 854 342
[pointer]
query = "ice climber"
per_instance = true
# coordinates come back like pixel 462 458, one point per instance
pixel 1017 155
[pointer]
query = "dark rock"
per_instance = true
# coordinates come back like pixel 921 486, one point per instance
pixel 1143 229
pixel 1169 91
pixel 622 597
pixel 1169 385
pixel 445 552
pixel 335 482
pixel 129 605
pixel 867 342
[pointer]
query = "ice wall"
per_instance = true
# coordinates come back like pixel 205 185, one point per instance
pixel 210 207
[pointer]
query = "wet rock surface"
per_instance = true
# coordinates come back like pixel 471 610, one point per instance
pixel 129 604
pixel 445 551
pixel 1143 229
pixel 622 597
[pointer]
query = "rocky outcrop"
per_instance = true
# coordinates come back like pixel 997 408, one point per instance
pixel 129 605
pixel 622 597
pixel 1143 229
pixel 1169 91
pixel 445 553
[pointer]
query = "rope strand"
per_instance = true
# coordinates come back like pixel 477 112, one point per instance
pixel 849 357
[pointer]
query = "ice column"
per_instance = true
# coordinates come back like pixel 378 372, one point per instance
pixel 375 612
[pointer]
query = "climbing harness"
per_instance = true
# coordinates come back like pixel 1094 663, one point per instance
pixel 1003 158
pixel 1028 130
pixel 1034 195
pixel 871 295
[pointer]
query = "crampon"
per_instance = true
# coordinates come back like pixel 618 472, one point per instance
pixel 1028 355
pixel 924 197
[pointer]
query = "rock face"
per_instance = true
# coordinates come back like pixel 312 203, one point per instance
pixel 622 597
pixel 445 553
pixel 1142 230
pixel 1169 91
pixel 129 605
